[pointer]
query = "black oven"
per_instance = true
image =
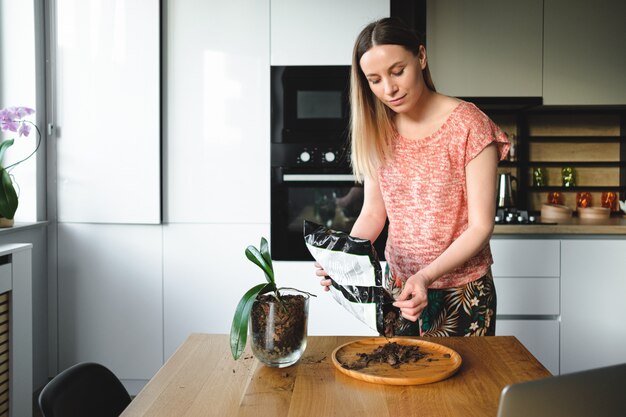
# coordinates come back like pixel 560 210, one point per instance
pixel 310 104
pixel 311 177
pixel 324 196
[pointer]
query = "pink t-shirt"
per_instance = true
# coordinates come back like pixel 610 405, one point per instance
pixel 425 195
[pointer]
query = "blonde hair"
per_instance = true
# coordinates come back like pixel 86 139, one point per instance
pixel 371 121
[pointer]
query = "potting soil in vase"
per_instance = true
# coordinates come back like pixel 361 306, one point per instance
pixel 279 329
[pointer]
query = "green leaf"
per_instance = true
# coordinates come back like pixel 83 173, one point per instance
pixel 255 256
pixel 4 146
pixel 239 328
pixel 8 196
pixel 264 248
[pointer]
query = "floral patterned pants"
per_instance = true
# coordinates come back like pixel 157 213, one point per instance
pixel 469 310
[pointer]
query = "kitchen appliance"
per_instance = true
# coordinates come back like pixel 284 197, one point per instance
pixel 311 176
pixel 310 104
pixel 505 198
pixel 317 190
pixel 514 216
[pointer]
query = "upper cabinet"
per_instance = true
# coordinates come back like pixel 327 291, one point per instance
pixel 107 105
pixel 489 48
pixel 320 32
pixel 584 52
pixel 217 101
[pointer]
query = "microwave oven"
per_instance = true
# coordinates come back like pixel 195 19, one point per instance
pixel 310 104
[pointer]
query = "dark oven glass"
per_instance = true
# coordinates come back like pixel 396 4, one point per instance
pixel 331 199
pixel 309 104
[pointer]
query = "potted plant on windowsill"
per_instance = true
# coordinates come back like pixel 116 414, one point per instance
pixel 12 120
pixel 278 317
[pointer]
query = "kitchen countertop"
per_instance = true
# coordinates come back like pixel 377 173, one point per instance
pixel 201 379
pixel 574 226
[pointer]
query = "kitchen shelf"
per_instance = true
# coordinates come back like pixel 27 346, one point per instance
pixel 590 139
pixel 576 188
pixel 577 139
pixel 586 164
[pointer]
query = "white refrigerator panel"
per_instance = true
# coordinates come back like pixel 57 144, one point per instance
pixel 218 112
pixel 108 104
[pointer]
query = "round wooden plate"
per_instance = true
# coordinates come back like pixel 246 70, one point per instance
pixel 441 362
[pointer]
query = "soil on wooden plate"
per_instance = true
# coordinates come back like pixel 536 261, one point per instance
pixel 289 327
pixel 392 353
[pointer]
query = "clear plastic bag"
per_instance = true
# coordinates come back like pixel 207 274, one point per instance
pixel 356 275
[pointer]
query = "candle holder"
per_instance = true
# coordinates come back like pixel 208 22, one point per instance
pixel 583 199
pixel 569 177
pixel 609 200
pixel 539 177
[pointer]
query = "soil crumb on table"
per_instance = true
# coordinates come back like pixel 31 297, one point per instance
pixel 391 353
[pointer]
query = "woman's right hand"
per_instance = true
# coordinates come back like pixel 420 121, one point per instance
pixel 325 282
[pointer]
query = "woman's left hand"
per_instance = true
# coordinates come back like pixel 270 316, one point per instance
pixel 414 297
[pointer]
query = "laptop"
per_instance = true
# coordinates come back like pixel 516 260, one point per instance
pixel 594 393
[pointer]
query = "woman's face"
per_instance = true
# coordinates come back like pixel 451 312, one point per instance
pixel 394 75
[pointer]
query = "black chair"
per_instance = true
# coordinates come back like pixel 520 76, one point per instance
pixel 85 389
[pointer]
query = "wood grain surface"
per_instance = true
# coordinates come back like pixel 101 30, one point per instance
pixel 440 362
pixel 202 379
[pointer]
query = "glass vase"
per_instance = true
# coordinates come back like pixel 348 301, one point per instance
pixel 278 327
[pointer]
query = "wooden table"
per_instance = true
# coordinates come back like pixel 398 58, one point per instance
pixel 202 379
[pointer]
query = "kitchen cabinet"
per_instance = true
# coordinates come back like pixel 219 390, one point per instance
pixel 584 61
pixel 321 32
pixel 205 274
pixel 593 284
pixel 110 299
pixel 107 108
pixel 218 115
pixel 539 336
pixel 488 48
pixel 527 279
pixel 589 140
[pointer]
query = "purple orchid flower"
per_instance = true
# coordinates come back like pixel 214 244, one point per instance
pixel 24 130
pixel 10 120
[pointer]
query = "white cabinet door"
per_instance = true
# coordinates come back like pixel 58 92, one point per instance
pixel 540 337
pixel 108 111
pixel 218 112
pixel 205 274
pixel 525 257
pixel 584 52
pixel 527 277
pixel 110 298
pixel 527 296
pixel 319 32
pixel 593 311
pixel 485 48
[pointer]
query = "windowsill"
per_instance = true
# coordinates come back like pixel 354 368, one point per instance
pixel 19 226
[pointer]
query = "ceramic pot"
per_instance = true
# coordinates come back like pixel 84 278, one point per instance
pixel 4 222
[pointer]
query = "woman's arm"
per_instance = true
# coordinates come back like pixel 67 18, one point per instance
pixel 373 215
pixel 370 222
pixel 481 200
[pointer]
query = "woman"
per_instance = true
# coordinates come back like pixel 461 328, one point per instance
pixel 428 162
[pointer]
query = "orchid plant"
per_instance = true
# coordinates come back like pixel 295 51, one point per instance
pixel 12 120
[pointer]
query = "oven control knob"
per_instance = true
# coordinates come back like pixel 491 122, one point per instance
pixel 329 156
pixel 305 156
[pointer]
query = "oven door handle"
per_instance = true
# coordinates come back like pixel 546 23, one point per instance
pixel 318 177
